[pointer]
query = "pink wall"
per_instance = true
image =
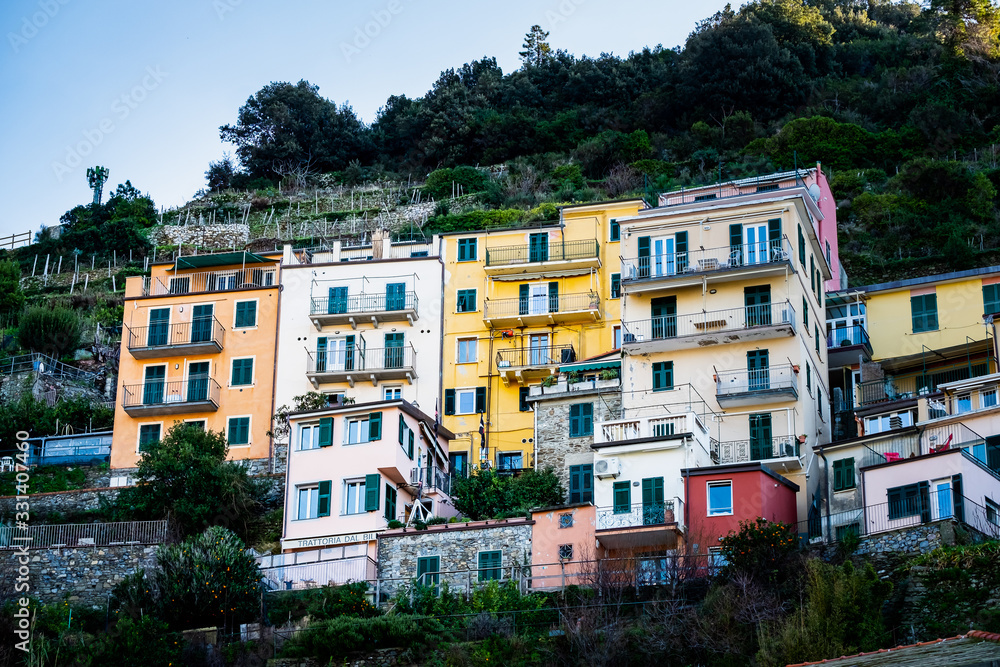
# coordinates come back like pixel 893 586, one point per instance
pixel 547 536
pixel 755 494
pixel 827 231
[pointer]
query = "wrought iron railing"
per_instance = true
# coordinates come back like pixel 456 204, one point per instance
pixel 529 253
pixel 166 334
pixel 669 265
pixel 361 359
pixel 735 188
pixel 903 446
pixel 848 337
pixel 83 534
pixel 744 451
pixel 363 303
pixel 546 355
pixel 42 363
pixel 307 570
pixel 771 378
pixel 431 477
pixel 716 321
pixel 637 514
pixel 208 281
pixel 647 427
pixel 911 385
pixel 542 305
pixel 175 392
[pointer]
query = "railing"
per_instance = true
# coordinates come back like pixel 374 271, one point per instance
pixel 432 478
pixel 771 378
pixel 42 363
pixel 175 392
pixel 542 305
pixel 895 449
pixel 559 251
pixel 389 251
pixel 165 334
pixel 736 188
pixel 898 387
pixel 546 355
pixel 361 359
pixel 693 262
pixel 950 436
pixel 744 451
pixel 84 534
pixel 79 450
pixel 363 303
pixel 289 573
pixel 637 428
pixel 208 281
pixel 636 515
pixel 847 337
pixel 716 321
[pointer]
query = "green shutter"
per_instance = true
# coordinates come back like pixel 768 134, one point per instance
pixel 736 242
pixel 409 449
pixel 622 495
pixel 924 312
pixel 802 247
pixel 616 285
pixel 246 314
pixel 371 492
pixel 991 299
pixel 326 431
pixel 402 428
pixel 652 491
pixel 553 297
pixel 849 473
pixel 522 299
pixel 774 232
pixel 480 399
pixel 374 426
pixel 663 375
pixel 643 246
pixel 616 230
pixel 574 420
pixel 390 503
pixel 489 565
pixel 449 401
pixel 805 313
pixel 643 268
pixel 681 249
pixel 522 399
pixel 808 377
pixel 324 499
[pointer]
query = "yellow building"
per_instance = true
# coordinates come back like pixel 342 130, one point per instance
pixel 517 304
pixel 198 346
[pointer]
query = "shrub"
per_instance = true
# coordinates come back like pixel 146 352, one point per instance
pixel 439 183
pixel 337 638
pixel 321 603
pixel 488 495
pixel 52 331
pixel 11 296
pixel 764 551
pixel 142 641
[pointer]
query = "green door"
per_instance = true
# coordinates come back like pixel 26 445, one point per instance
pixel 201 324
pixel 760 437
pixel 159 327
pixel 395 296
pixel 321 355
pixel 758 373
pixel 758 305
pixel 538 248
pixel 336 302
pixel 197 382
pixel 394 350
pixel 153 385
pixel 428 568
pixel 664 312
pixel 653 508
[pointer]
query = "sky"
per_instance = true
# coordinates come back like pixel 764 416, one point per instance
pixel 142 87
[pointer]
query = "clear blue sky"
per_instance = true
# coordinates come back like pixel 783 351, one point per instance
pixel 142 87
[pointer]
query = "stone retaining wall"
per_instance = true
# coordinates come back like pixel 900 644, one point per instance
pixel 203 236
pixel 64 502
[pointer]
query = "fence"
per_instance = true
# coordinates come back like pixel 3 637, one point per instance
pixel 84 535
pixel 769 378
pixel 744 451
pixel 363 303
pixel 716 321
pixel 431 477
pixel 354 358
pixel 637 515
pixel 543 304
pixel 42 363
pixel 14 240
pixel 203 330
pixel 564 251
pixel 734 188
pixel 898 387
pixel 208 281
pixel 307 570
pixel 543 355
pixel 667 265
pixel 176 392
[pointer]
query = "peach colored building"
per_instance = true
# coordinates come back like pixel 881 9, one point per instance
pixel 563 546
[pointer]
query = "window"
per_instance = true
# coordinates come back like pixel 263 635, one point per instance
pixel 888 422
pixel 467 250
pixel 467 350
pixel 522 399
pixel 616 231
pixel 428 568
pixel 805 313
pixel 923 309
pixel 616 285
pixel 509 461
pixel 581 483
pixel 963 403
pixel 816 337
pixel 988 398
pixel 992 512
pixel 148 434
pixel 809 383
pixel 393 393
pixel 843 474
pixel 910 500
pixel 617 338
pixel 239 431
pixel 581 420
pixel 246 314
pixel 802 247
pixel 828 259
pixel 199 424
pixel 490 565
pixel 566 520
pixel 314 500
pixel 363 429
pixel 464 401
pixel 565 552
pixel 991 299
pixel 720 498
pixel 716 559
pixel 622 497
pixel 309 437
pixel 354 497
pixel 466 301
pixel 390 503
pixel 849 529
pixel 242 372
pixel 663 375
pixel 459 464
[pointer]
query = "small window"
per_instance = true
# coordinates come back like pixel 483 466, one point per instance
pixel 991 299
pixel 565 552
pixel 490 565
pixel 360 430
pixel 616 285
pixel 805 313
pixel 467 250
pixel 390 502
pixel 963 403
pixel 622 497
pixel 581 420
pixel 148 434
pixel 308 502
pixel 242 372
pixel 992 512
pixel 907 501
pixel 617 338
pixel 522 399
pixel 239 431
pixel 716 558
pixel 468 350
pixel 616 231
pixel 663 375
pixel 809 384
pixel 466 301
pixel 816 339
pixel 393 393
pixel 843 474
pixel 988 398
pixel 581 483
pixel 720 498
pixel 923 310
pixel 828 256
pixel 466 401
pixel 354 497
pixel 309 437
pixel 566 520
pixel 246 314
pixel 428 569
pixel 509 461
pixel 849 529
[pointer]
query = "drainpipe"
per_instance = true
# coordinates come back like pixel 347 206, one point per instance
pixel 825 481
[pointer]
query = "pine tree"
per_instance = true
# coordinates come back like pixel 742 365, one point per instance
pixel 536 49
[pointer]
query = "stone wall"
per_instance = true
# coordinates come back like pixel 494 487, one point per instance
pixel 65 503
pixel 457 545
pixel 204 236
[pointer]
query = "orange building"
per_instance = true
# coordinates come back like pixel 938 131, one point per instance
pixel 198 346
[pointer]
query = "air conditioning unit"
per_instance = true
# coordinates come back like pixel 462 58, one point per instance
pixel 607 468
pixel 568 356
pixel 628 338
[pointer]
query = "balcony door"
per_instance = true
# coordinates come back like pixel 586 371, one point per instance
pixel 664 316
pixel 201 323
pixel 755 244
pixel 197 382
pixel 394 350
pixel 653 509
pixel 395 296
pixel 758 370
pixel 538 349
pixel 336 302
pixel 760 437
pixel 844 324
pixel 663 260
pixel 153 385
pixel 538 247
pixel 757 301
pixel 159 327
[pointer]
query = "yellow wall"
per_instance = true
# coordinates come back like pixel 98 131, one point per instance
pixel 258 342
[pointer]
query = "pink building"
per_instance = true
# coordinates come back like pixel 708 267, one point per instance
pixel 563 545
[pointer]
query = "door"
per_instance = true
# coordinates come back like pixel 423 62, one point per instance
pixel 944 500
pixel 663 260
pixel 538 248
pixel 643 267
pixel 581 483
pixel 428 568
pixel 755 244
pixel 201 323
pixel 459 464
pixel 153 385
pixel 758 373
pixel 395 296
pixel 159 327
pixel 760 437
pixel 538 298
pixel 653 509
pixel 757 301
pixel 394 350
pixel 664 316
pixel 539 350
pixel 336 302
pixel 197 382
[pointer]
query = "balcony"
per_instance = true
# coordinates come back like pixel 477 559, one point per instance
pixel 432 478
pixel 673 427
pixel 209 281
pixel 774 384
pixel 700 330
pixel 156 398
pixel 780 448
pixel 203 336
pixel 523 363
pixel 908 386
pixel 565 258
pixel 640 525
pixel 844 345
pixel 374 308
pixel 360 364
pixel 695 267
pixel 542 310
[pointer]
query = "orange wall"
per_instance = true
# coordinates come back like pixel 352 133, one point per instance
pixel 547 536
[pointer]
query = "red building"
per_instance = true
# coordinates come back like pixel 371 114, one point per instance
pixel 719 497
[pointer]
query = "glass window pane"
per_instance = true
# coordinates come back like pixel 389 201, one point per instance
pixel 466 402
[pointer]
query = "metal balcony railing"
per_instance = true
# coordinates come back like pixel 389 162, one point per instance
pixel 848 337
pixel 361 359
pixel 530 253
pixel 716 321
pixel 208 281
pixel 546 355
pixel 84 534
pixel 745 451
pixel 176 392
pixel 542 305
pixel 646 427
pixel 636 515
pixel 670 265
pixel 431 477
pixel 168 334
pixel 898 387
pixel 772 378
pixel 735 188
pixel 898 448
pixel 363 303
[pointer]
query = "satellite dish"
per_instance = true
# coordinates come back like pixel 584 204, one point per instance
pixel 814 192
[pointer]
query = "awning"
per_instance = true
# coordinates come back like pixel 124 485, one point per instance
pixel 220 259
pixel 583 366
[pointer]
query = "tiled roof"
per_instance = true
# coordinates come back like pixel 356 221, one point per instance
pixel 973 648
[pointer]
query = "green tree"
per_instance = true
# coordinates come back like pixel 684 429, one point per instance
pixel 52 331
pixel 220 174
pixel 536 48
pixel 969 28
pixel 11 295
pixel 96 177
pixel 489 494
pixel 766 552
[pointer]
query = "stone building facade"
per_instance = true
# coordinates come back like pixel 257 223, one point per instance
pixel 457 548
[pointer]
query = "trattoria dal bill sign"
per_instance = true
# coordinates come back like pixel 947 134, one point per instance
pixel 333 540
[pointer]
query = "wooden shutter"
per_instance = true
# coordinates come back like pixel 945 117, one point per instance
pixel 326 431
pixel 622 497
pixel 409 450
pixel 736 242
pixel 375 426
pixel 802 247
pixel 774 233
pixel 616 230
pixel 349 353
pixel 587 419
pixel 449 401
pixel 849 473
pixel 805 313
pixel 616 285
pixel 575 483
pixel 574 420
pixel 489 565
pixel 522 299
pixel 480 399
pixel 958 497
pixel 390 503
pixel 652 491
pixel 681 249
pixel 371 492
pixel 643 257
pixel 324 499
pixel 402 429
pixel 553 297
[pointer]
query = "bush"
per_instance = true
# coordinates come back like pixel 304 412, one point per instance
pixel 11 296
pixel 142 641
pixel 338 638
pixel 52 331
pixel 489 495
pixel 321 603
pixel 764 551
pixel 439 183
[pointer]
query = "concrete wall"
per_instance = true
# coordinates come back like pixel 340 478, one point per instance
pixel 553 530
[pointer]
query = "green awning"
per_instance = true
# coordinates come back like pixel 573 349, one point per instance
pixel 583 366
pixel 220 259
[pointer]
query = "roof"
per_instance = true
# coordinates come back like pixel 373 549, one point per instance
pixel 610 359
pixel 730 468
pixel 220 259
pixel 405 406
pixel 974 648
pixel 925 280
pixel 556 508
pixel 605 204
